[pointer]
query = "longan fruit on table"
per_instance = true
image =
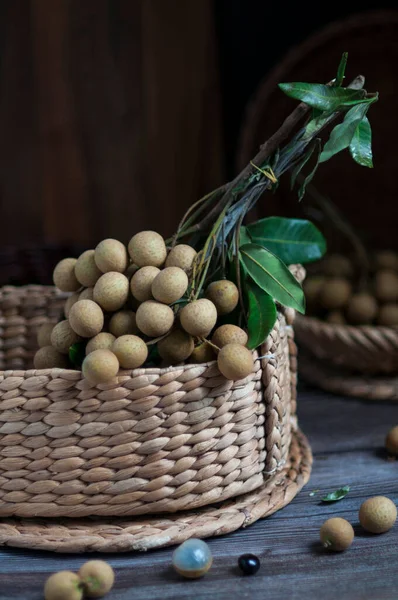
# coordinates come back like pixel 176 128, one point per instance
pixel 176 347
pixel 100 366
pixel 181 256
pixel 169 285
pixel 123 322
pixel 229 334
pixel 86 318
pixel 111 291
pixel 44 334
pixel 378 514
pixel 86 269
pixel 141 283
pixel 198 317
pixel 111 256
pixel 224 294
pixel 388 315
pixel 386 286
pixel 64 276
pixel 102 341
pixel 235 361
pixel 361 309
pixel 335 293
pixel 147 249
pixel 154 318
pixel 63 337
pixel 63 585
pixel 202 353
pixel 130 350
pixel 97 577
pixel 391 442
pixel 336 534
pixel 48 357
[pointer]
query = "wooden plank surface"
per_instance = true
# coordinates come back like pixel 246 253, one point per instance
pixel 347 439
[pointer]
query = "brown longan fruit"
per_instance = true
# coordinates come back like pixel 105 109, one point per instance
pixel 130 350
pixel 111 291
pixel 198 317
pixel 386 259
pixel 102 341
pixel 48 357
pixel 141 283
pixel 235 361
pixel 361 309
pixel 386 286
pixel 388 315
pixel 176 347
pixel 87 294
pixel 111 256
pixel 336 317
pixel 170 285
pixel 97 577
pixel 70 302
pixel 147 249
pixel 181 256
pixel 224 294
pixel 63 336
pixel 202 353
pixel 335 293
pixel 44 334
pixel 378 514
pixel 229 334
pixel 337 534
pixel 100 366
pixel 154 319
pixel 63 585
pixel 312 289
pixel 337 265
pixel 64 275
pixel 392 441
pixel 86 270
pixel 86 318
pixel 123 323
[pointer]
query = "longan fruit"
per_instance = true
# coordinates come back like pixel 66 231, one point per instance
pixel 102 341
pixel 70 302
pixel 64 275
pixel 335 293
pixel 388 315
pixel 386 259
pixel 123 323
pixel 224 294
pixel 392 441
pixel 111 256
pixel 86 270
pixel 48 357
pixel 141 283
pixel 337 265
pixel 229 334
pixel 198 317
pixel 147 249
pixel 202 353
pixel 97 577
pixel 336 317
pixel 130 350
pixel 169 285
pixel 312 289
pixel 44 334
pixel 111 291
pixel 154 319
pixel 63 585
pixel 63 336
pixel 181 256
pixel 235 361
pixel 361 309
pixel 337 534
pixel 87 294
pixel 176 347
pixel 378 514
pixel 100 366
pixel 86 318
pixel 386 286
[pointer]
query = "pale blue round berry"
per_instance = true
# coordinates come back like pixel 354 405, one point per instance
pixel 192 559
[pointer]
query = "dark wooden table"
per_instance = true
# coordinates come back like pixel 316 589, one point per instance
pixel 347 440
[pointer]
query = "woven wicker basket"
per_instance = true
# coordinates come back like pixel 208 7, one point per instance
pixel 156 440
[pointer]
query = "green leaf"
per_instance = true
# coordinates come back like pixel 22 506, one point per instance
pixel 301 164
pixel 77 353
pixel 323 97
pixel 292 240
pixel 244 237
pixel 361 144
pixel 261 314
pixel 341 70
pixel 272 276
pixel 337 495
pixel 311 174
pixel 341 136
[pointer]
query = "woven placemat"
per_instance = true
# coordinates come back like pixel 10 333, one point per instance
pixel 331 379
pixel 140 534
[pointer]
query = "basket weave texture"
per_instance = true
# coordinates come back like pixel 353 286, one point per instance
pixel 153 441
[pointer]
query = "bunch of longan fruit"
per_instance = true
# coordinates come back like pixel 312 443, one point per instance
pixel 94 579
pixel 126 300
pixel 332 294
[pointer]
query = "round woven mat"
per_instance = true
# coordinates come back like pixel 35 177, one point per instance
pixel 139 534
pixel 337 381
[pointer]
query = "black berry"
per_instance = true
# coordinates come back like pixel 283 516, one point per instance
pixel 249 564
